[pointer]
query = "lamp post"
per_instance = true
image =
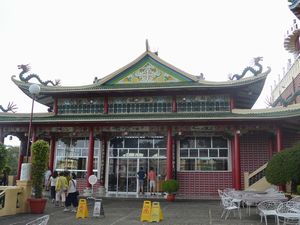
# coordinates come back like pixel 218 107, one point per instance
pixel 34 90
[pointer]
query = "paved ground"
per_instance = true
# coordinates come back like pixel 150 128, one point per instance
pixel 128 211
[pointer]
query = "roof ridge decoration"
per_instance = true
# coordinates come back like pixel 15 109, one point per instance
pixel 148 68
pixel 255 72
pixel 26 68
pixel 10 107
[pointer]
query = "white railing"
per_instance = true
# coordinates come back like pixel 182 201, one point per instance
pixel 287 79
pixel 256 180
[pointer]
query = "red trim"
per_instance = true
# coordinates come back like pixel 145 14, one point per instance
pixel 90 164
pixel 52 153
pixel 169 164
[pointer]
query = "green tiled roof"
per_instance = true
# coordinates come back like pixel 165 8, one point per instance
pixel 247 89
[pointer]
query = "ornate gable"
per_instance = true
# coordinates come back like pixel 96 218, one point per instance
pixel 148 70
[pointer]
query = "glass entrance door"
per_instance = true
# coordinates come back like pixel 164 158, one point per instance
pixel 125 161
pixel 131 176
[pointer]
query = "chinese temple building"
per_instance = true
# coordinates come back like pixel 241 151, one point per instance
pixel 151 114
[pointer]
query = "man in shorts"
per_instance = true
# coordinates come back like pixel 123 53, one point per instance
pixel 152 179
pixel 141 175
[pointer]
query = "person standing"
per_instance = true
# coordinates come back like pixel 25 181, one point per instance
pixel 72 194
pixel 152 179
pixel 141 175
pixel 4 181
pixel 52 184
pixel 47 176
pixel 61 187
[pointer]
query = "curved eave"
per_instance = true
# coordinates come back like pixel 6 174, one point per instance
pixel 289 114
pixel 295 8
pixel 290 41
pixel 248 89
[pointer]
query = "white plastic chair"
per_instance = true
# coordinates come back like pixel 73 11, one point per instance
pixel 228 206
pixel 39 221
pixel 267 208
pixel 288 213
pixel 296 199
pixel 250 200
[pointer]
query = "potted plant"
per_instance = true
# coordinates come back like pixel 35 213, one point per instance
pixel 171 187
pixel 40 155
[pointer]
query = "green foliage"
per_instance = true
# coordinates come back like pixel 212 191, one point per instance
pixel 12 159
pixel 284 166
pixel 3 157
pixel 298 189
pixel 170 186
pixel 7 169
pixel 40 155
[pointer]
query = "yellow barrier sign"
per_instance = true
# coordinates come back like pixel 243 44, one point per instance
pixel 82 210
pixel 156 213
pixel 146 211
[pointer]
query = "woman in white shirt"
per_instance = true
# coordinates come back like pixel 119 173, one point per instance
pixel 52 181
pixel 72 194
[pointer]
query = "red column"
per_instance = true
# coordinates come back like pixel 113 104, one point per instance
pixel 270 147
pixel 103 160
pixel 279 146
pixel 279 139
pixel 174 104
pixel 232 103
pixel 33 139
pixel 105 105
pixel 1 136
pixel 52 153
pixel 232 162
pixel 90 164
pixel 55 107
pixel 169 154
pixel 236 160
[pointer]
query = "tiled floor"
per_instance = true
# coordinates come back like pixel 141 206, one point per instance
pixel 127 211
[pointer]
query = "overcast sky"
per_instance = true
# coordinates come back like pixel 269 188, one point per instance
pixel 74 41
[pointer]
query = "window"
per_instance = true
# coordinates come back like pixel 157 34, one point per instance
pixel 80 105
pixel 202 103
pixel 142 147
pixel 140 104
pixel 204 154
pixel 72 155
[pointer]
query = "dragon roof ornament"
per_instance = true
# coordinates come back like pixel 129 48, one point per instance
pixel 26 68
pixel 10 107
pixel 251 69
